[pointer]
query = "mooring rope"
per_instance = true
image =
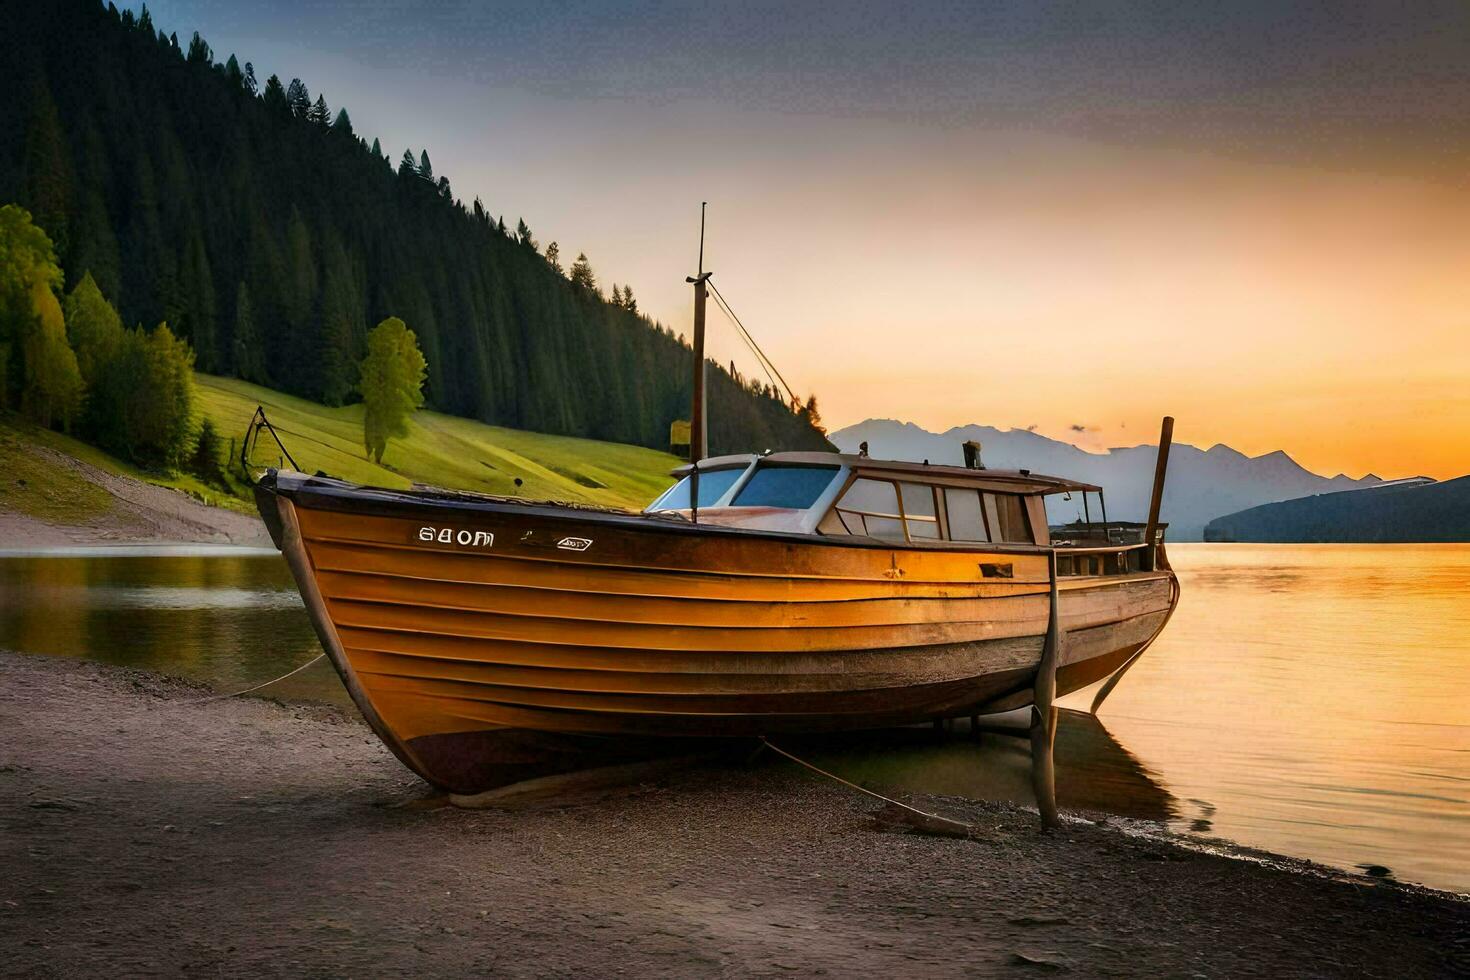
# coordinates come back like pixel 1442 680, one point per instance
pixel 252 690
pixel 867 792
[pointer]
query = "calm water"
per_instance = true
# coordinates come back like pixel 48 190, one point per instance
pixel 1311 700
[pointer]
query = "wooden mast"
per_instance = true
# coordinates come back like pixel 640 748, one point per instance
pixel 1161 467
pixel 698 424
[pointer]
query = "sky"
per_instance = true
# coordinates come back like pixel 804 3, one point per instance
pixel 1074 217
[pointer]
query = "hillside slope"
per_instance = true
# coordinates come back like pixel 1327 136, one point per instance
pixel 443 450
pixel 1202 484
pixel 56 490
pixel 272 238
pixel 1429 512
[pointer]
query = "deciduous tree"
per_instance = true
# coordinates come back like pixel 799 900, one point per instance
pixel 392 384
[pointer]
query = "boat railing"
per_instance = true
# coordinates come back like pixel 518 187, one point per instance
pixel 1115 559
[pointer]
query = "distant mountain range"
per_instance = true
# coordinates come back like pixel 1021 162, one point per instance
pixel 1405 510
pixel 1202 484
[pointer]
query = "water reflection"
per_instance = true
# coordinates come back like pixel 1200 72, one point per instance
pixel 1094 771
pixel 228 617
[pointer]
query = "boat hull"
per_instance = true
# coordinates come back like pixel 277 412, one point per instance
pixel 481 640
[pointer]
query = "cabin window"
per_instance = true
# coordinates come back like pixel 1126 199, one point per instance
pixel 1006 513
pixel 713 484
pixel 918 511
pixel 966 516
pixel 789 487
pixel 870 507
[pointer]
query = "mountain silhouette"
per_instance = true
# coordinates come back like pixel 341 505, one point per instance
pixel 1416 509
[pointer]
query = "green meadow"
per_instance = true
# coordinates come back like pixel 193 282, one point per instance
pixel 441 450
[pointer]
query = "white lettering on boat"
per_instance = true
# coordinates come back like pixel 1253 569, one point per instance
pixel 463 537
pixel 574 544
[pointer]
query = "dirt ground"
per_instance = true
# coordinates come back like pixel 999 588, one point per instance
pixel 143 832
pixel 140 512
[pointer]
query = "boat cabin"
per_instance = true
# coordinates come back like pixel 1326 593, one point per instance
pixel 842 495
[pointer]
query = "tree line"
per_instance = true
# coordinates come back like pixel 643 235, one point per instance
pixel 251 217
pixel 68 363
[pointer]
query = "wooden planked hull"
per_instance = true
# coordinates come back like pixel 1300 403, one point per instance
pixel 472 635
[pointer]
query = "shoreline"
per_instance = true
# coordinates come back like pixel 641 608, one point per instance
pixel 132 512
pixel 143 832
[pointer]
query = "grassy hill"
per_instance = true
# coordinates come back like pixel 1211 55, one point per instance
pixel 443 450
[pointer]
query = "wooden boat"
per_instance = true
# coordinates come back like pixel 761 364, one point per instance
pixel 779 593
pixel 809 592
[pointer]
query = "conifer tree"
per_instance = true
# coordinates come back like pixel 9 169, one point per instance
pixel 206 460
pixel 629 303
pixel 298 99
pixel 406 166
pixel 426 169
pixel 523 235
pixel 92 326
pixel 342 125
pixel 199 52
pixel 250 83
pixel 274 96
pixel 198 302
pixel 340 323
pixel 319 113
pixel 47 167
pixel 582 273
pixel 813 416
pixel 249 358
pixel 553 258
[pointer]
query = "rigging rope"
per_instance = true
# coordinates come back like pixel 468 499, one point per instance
pixel 755 348
pixel 745 338
pixel 935 818
pixel 252 690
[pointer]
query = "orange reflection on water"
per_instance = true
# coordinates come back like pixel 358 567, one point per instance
pixel 1315 700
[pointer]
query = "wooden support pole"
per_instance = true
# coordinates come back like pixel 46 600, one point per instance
pixel 1161 467
pixel 1044 711
pixel 1151 553
pixel 698 425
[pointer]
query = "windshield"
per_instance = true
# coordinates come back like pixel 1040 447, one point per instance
pixel 712 486
pixel 790 487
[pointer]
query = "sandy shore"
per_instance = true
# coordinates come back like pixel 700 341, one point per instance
pixel 139 513
pixel 145 833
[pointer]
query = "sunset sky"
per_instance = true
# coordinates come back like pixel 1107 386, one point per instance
pixel 1074 217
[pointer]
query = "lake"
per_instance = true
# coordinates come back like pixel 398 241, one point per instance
pixel 1312 700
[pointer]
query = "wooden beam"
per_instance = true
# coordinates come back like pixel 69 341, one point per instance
pixel 1044 712
pixel 1161 467
pixel 698 424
